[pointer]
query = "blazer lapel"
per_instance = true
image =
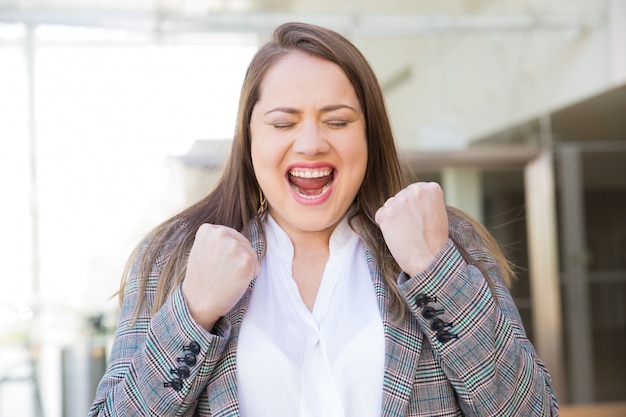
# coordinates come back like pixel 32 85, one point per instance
pixel 222 390
pixel 403 344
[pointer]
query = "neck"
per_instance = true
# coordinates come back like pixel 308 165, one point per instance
pixel 310 241
pixel 306 240
pixel 310 255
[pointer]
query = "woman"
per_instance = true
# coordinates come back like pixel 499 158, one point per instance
pixel 299 287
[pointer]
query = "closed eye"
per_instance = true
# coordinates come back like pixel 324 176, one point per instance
pixel 282 126
pixel 337 124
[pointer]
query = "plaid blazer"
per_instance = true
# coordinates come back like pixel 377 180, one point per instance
pixel 484 364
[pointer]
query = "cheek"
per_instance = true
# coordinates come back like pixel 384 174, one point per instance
pixel 258 150
pixel 266 163
pixel 358 155
pixel 257 146
pixel 355 165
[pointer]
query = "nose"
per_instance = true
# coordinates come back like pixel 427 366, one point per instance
pixel 310 140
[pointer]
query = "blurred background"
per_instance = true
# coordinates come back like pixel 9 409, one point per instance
pixel 116 114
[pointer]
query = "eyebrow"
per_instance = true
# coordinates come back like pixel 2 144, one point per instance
pixel 325 109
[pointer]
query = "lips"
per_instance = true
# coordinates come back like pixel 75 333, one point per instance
pixel 311 183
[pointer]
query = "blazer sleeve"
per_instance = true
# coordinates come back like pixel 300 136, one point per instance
pixel 143 375
pixel 477 335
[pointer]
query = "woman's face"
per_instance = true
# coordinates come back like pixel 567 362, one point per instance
pixel 308 143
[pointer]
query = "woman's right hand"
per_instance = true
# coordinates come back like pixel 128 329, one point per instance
pixel 221 264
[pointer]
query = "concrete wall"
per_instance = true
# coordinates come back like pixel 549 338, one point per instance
pixel 470 84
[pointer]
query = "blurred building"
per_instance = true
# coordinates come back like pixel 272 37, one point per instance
pixel 518 108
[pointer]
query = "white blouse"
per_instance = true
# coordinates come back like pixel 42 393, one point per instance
pixel 327 362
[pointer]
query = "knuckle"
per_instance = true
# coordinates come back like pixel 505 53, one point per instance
pixel 434 186
pixel 246 263
pixel 380 215
pixel 203 229
pixel 221 233
pixel 415 189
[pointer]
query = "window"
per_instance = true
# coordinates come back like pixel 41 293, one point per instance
pixel 87 132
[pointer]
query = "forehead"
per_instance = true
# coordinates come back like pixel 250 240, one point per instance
pixel 302 74
pixel 301 59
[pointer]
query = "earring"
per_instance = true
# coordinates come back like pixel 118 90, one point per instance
pixel 262 203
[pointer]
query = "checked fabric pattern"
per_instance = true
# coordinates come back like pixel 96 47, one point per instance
pixel 486 368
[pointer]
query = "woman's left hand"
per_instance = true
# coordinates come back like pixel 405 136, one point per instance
pixel 414 224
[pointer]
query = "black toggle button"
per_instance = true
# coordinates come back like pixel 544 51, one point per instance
pixel 193 347
pixel 182 372
pixel 176 384
pixel 422 299
pixel 444 336
pixel 189 359
pixel 439 324
pixel 431 313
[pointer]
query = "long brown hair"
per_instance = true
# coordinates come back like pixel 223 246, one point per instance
pixel 234 201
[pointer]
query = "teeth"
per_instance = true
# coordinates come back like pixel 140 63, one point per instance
pixel 310 173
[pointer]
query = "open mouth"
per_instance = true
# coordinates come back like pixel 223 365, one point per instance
pixel 311 183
